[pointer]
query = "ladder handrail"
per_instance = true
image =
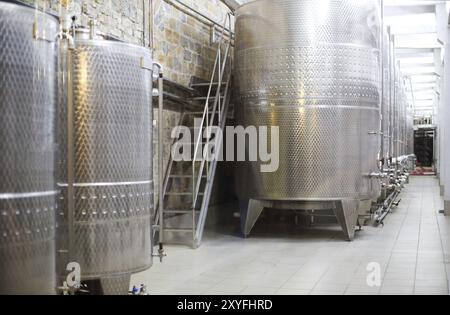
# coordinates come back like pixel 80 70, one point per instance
pixel 210 90
pixel 211 122
pixel 211 169
pixel 210 179
pixel 205 117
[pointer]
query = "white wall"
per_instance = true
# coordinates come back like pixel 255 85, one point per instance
pixel 442 16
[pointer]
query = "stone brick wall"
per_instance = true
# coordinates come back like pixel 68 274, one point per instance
pixel 123 19
pixel 182 43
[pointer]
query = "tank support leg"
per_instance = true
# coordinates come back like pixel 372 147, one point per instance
pixel 250 214
pixel 346 212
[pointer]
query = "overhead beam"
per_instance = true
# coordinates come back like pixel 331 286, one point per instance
pixel 408 10
pixel 411 74
pixel 431 84
pixel 411 52
pixel 415 81
pixel 416 64
pixel 422 90
pixel 415 50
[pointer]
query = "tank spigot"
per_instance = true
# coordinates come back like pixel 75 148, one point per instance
pixel 161 252
pixel 143 290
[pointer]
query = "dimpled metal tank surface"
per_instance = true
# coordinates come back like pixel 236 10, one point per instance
pixel 313 68
pixel 105 171
pixel 27 145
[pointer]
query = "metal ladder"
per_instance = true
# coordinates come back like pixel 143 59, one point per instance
pixel 197 176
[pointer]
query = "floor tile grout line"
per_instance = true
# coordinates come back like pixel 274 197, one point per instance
pixel 355 273
pixel 412 233
pixel 392 250
pixel 304 263
pixel 320 279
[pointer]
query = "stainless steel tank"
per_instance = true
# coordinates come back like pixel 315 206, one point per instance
pixel 105 171
pixel 27 144
pixel 313 68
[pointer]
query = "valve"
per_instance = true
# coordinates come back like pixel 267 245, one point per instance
pixel 161 252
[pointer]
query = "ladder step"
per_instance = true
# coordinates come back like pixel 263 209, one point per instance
pixel 179 230
pixel 207 84
pixel 185 176
pixel 180 144
pixel 180 211
pixel 181 194
pixel 204 127
pixel 198 113
pixel 178 194
pixel 188 162
pixel 204 98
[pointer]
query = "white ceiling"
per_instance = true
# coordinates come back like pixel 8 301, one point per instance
pixel 414 25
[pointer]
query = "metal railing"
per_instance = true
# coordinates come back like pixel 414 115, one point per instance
pixel 220 106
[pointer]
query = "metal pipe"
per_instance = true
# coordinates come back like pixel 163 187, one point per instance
pixel 412 91
pixel 396 89
pixel 70 154
pixel 160 149
pixel 186 8
pixel 383 92
pixel 387 204
pixel 151 26
pixel 144 23
pixel 387 209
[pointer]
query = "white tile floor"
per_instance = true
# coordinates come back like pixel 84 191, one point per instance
pixel 413 250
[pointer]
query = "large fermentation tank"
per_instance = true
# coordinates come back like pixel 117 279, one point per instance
pixel 27 145
pixel 105 171
pixel 312 68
